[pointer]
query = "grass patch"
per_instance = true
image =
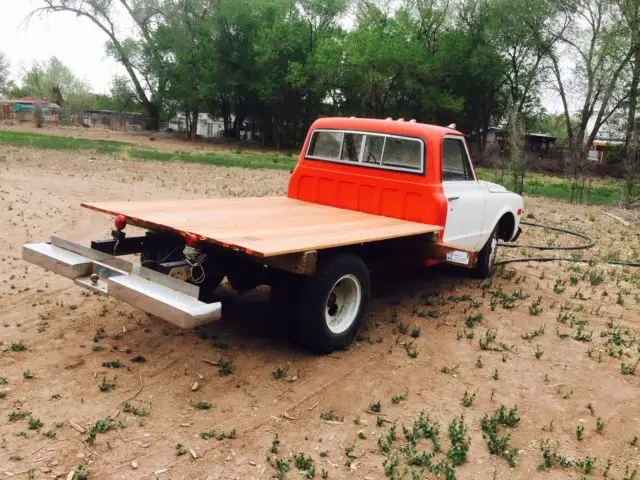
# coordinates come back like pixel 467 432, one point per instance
pixel 54 142
pixel 220 158
pixel 244 160
pixel 604 190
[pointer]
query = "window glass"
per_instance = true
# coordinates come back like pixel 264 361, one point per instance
pixel 455 163
pixel 351 147
pixel 325 145
pixel 368 149
pixel 402 152
pixel 373 146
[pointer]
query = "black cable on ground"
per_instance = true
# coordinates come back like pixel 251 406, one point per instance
pixel 585 246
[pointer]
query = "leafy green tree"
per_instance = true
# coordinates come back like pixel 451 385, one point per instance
pixel 54 81
pixel 591 33
pixel 5 83
pixel 136 53
pixel 630 15
pixel 182 40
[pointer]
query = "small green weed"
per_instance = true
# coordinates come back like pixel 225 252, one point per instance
pixel 280 372
pixel 18 415
pixel 101 426
pixel 106 386
pixel 202 405
pixel 35 424
pixel 331 416
pixel 18 347
pixel 467 400
pixel 112 364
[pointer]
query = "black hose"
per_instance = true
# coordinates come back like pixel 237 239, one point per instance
pixel 585 246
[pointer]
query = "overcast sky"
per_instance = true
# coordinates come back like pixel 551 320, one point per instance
pixel 74 40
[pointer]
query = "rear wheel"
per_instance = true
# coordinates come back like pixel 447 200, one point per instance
pixel 330 304
pixel 487 257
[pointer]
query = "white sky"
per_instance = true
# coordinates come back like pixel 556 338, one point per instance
pixel 77 42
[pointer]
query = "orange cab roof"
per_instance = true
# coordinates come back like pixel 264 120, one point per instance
pixel 392 127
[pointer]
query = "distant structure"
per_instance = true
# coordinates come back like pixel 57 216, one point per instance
pixel 23 110
pixel 542 143
pixel 208 126
pixel 113 120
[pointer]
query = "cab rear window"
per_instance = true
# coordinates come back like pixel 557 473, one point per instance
pixel 389 152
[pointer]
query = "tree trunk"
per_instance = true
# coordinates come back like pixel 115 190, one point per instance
pixel 153 114
pixel 194 123
pixel 631 160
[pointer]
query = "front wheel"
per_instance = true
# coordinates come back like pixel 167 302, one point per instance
pixel 331 303
pixel 487 257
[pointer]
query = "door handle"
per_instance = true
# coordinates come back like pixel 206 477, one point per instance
pixel 452 198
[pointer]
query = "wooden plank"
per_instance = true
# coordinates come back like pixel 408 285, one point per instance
pixel 265 227
pixel 299 263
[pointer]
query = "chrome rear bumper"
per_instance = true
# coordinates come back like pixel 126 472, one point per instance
pixel 172 300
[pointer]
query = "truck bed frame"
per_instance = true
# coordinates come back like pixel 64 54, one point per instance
pixel 264 227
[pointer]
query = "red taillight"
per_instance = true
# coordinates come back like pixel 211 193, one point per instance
pixel 519 211
pixel 192 240
pixel 120 222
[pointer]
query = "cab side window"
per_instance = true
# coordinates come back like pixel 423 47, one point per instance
pixel 455 161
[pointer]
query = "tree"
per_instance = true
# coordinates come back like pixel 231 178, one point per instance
pixel 136 54
pixel 54 81
pixel 5 83
pixel 522 34
pixel 589 32
pixel 184 39
pixel 630 14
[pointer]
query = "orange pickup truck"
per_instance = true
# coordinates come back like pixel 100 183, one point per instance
pixel 363 191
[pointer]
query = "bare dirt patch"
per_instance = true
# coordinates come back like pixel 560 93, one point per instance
pixel 558 340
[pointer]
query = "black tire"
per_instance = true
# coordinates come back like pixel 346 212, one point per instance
pixel 487 257
pixel 316 297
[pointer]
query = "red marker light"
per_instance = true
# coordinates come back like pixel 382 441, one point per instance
pixel 120 222
pixel 192 240
pixel 519 211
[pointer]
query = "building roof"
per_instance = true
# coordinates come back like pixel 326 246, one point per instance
pixel 541 135
pixel 29 100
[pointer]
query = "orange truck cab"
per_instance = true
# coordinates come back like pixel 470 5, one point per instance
pixel 406 170
pixel 363 192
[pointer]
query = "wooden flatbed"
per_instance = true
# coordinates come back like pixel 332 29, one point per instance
pixel 264 227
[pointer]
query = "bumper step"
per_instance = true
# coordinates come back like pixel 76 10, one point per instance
pixel 156 294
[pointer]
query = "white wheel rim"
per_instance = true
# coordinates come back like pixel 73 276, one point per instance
pixel 494 249
pixel 343 303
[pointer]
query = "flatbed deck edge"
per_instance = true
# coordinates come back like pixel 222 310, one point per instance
pixel 146 224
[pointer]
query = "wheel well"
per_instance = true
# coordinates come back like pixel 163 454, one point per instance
pixel 506 225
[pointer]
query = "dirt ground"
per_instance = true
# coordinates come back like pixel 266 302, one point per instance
pixel 562 334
